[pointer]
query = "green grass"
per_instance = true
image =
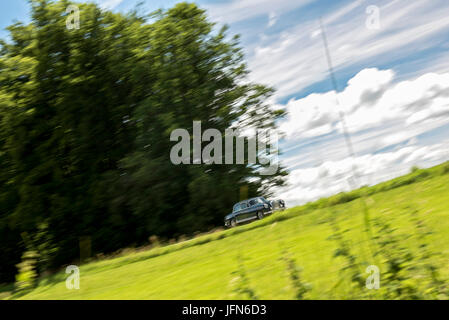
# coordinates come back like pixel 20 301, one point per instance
pixel 204 267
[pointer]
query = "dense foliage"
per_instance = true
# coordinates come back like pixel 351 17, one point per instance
pixel 85 122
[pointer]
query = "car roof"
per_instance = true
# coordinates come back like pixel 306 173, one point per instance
pixel 248 200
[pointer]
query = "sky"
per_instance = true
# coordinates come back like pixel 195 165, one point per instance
pixel 391 63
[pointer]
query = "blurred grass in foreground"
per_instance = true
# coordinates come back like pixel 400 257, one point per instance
pixel 252 258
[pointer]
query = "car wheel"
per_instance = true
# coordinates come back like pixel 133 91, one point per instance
pixel 233 223
pixel 260 215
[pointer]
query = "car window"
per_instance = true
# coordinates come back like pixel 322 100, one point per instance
pixel 260 200
pixel 236 207
pixel 252 202
pixel 244 205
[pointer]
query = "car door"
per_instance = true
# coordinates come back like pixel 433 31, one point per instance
pixel 253 208
pixel 243 212
pixel 248 212
pixel 238 212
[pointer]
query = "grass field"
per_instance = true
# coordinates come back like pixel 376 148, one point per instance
pixel 259 260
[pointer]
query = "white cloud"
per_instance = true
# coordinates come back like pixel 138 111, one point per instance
pixel 238 10
pixel 109 4
pixel 370 99
pixel 406 28
pixel 331 177
pixel 384 119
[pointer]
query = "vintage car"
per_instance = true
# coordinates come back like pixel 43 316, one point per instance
pixel 247 210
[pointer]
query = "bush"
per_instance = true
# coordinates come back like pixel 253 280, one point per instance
pixel 445 168
pixel 26 278
pixel 414 169
pixel 154 241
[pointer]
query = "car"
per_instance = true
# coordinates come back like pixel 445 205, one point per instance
pixel 247 210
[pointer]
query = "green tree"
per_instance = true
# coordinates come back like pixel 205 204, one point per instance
pixel 85 121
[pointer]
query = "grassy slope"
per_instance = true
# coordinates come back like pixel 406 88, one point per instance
pixel 202 268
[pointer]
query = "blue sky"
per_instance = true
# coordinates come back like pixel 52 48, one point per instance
pixel 393 81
